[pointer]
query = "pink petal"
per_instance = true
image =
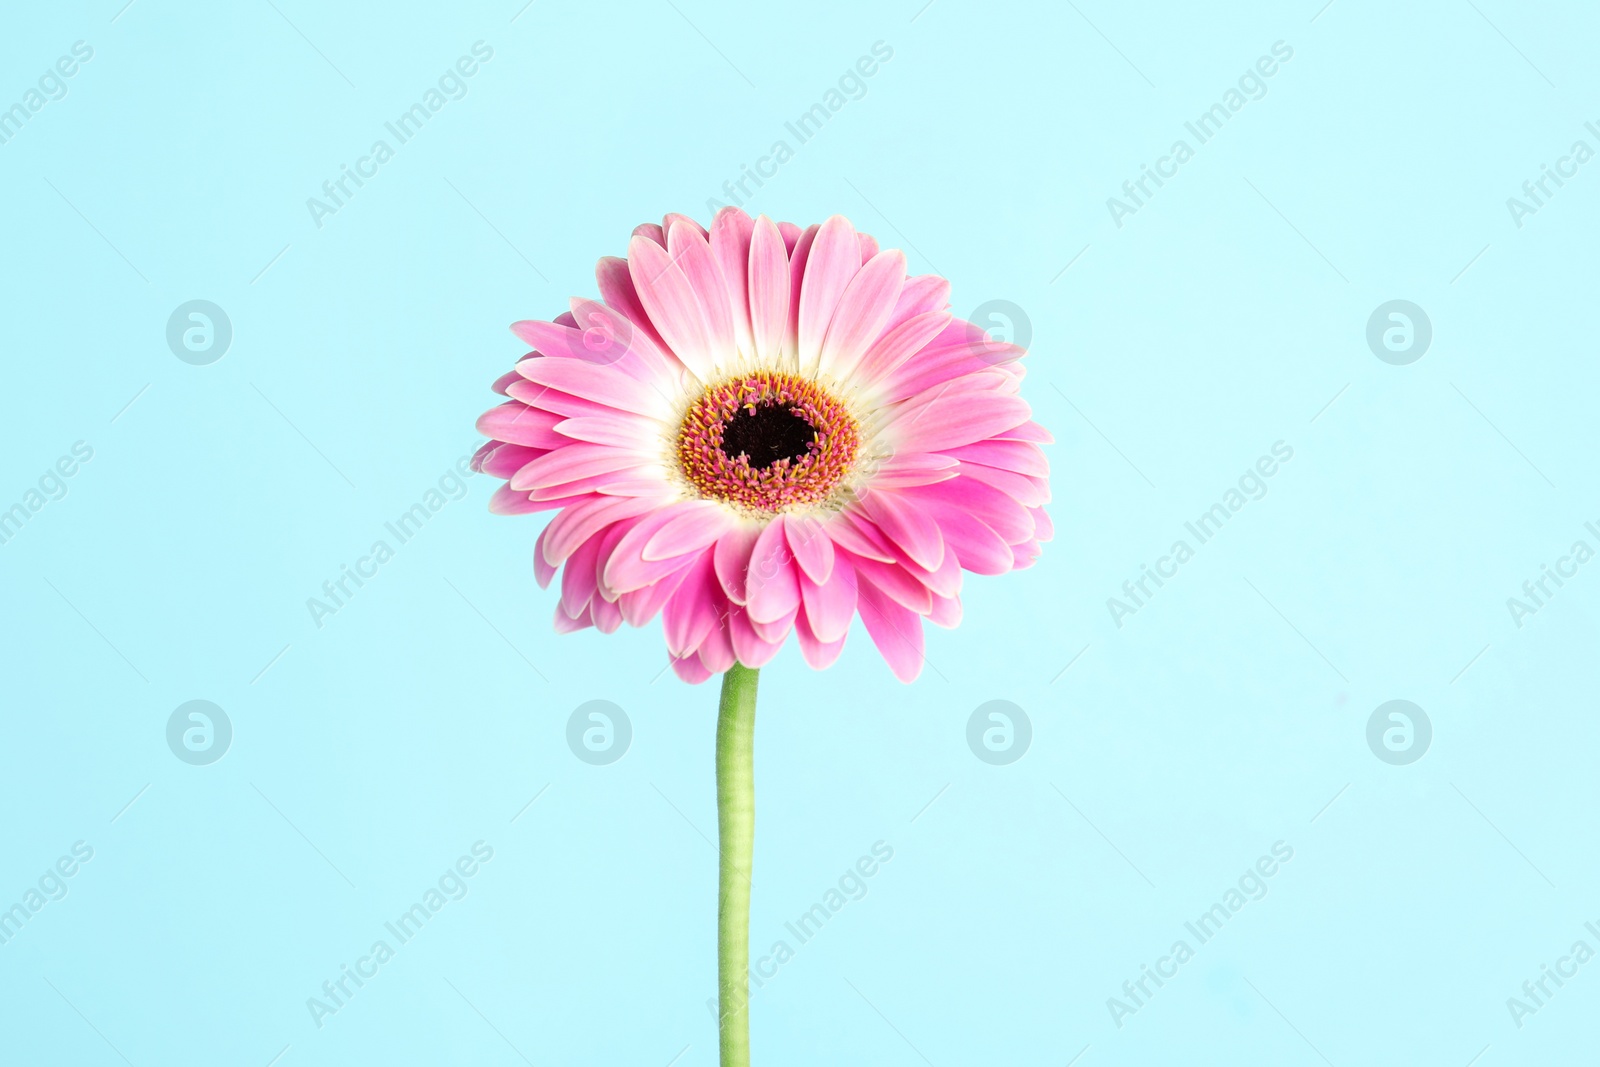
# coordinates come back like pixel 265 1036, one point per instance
pixel 732 559
pixel 693 611
pixel 799 254
pixel 819 654
pixel 537 332
pixel 607 483
pixel 690 669
pixel 604 338
pixel 577 523
pixel 860 536
pixel 830 605
pixel 601 384
pixel 931 369
pixel 616 289
pixel 665 291
pixel 863 309
pixel 608 541
pixel 629 568
pixel 610 336
pixel 716 651
pixel 922 294
pixel 769 290
pixel 907 525
pixel 976 547
pixel 915 468
pixel 571 463
pixel 694 527
pixel 943 581
pixel 506 460
pixel 554 400
pixel 651 482
pixel 811 547
pixel 607 616
pixel 956 419
pixel 651 231
pixel 1027 491
pixel 641 605
pixel 899 344
pixel 776 632
pixel 1025 555
pixel 545 505
pixel 674 218
pixel 895 581
pixel 1029 431
pixel 543 569
pixel 618 431
pixel 896 631
pixel 731 233
pixel 1019 456
pixel 834 259
pixel 690 250
pixel 946 612
pixel 578 585
pixel 982 501
pixel 516 423
pixel 773 585
pixel 753 651
pixel 507 501
pixel 566 624
pixel 1043 528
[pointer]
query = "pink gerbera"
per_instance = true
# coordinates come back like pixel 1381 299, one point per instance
pixel 763 429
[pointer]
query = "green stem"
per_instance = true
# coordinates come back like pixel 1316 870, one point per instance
pixel 736 825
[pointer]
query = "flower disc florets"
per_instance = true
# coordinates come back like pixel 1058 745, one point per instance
pixel 767 442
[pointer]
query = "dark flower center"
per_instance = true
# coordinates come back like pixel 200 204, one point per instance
pixel 767 434
pixel 767 442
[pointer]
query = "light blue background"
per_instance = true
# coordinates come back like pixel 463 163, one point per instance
pixel 1228 714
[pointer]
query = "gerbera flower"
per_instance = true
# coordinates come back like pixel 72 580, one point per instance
pixel 762 430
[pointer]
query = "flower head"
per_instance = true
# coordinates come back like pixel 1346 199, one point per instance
pixel 761 429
